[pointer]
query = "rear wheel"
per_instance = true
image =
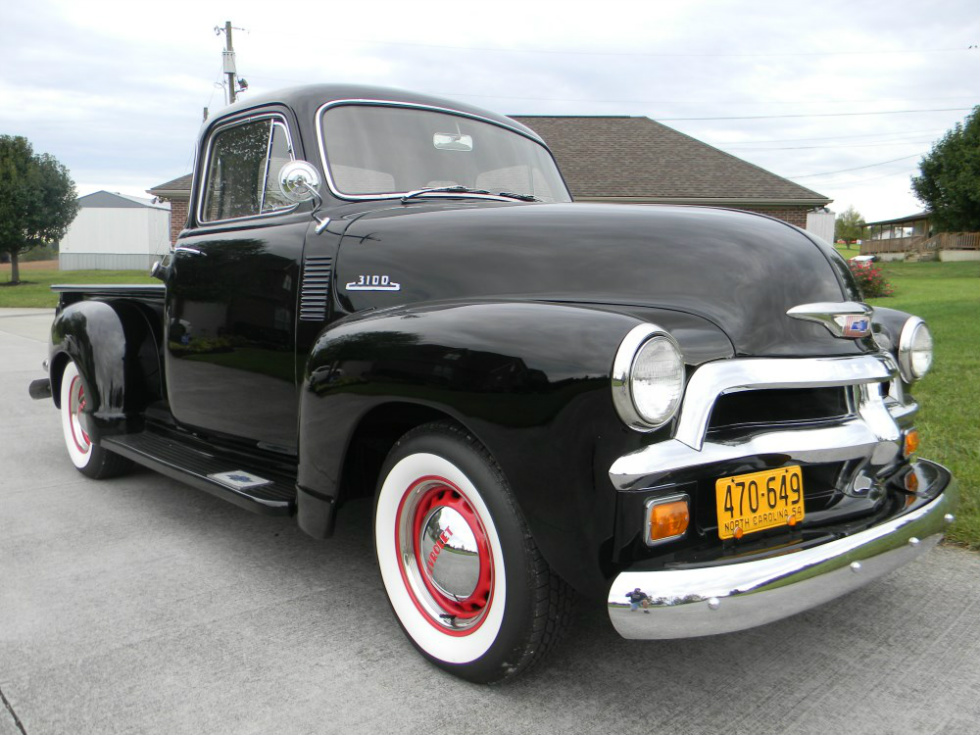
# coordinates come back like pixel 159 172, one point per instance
pixel 89 458
pixel 463 574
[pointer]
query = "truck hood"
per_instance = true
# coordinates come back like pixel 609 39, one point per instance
pixel 739 271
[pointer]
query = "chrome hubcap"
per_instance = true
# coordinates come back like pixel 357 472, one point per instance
pixel 452 564
pixel 447 564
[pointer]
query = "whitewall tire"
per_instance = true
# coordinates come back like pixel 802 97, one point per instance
pixel 88 457
pixel 461 570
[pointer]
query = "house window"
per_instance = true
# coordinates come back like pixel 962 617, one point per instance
pixel 243 167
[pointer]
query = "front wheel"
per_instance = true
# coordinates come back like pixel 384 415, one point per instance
pixel 462 573
pixel 88 457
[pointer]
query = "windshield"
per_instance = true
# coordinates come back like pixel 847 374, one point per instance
pixel 376 150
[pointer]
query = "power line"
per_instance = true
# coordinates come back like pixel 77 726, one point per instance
pixel 499 49
pixel 828 147
pixel 856 168
pixel 676 119
pixel 820 114
pixel 831 137
pixel 862 182
pixel 675 101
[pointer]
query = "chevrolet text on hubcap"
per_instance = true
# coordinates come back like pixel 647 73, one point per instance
pixel 445 557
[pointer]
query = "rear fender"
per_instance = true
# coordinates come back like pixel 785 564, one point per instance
pixel 116 349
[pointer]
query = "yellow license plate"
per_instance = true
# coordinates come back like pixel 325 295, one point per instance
pixel 759 500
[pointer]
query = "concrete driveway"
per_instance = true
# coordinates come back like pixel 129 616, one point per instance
pixel 139 605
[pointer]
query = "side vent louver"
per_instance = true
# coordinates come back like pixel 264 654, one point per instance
pixel 316 288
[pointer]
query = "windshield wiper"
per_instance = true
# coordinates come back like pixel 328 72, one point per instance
pixel 442 189
pixel 520 197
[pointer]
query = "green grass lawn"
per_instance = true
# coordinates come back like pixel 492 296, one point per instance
pixel 34 291
pixel 947 296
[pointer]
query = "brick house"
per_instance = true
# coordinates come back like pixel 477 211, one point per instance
pixel 178 193
pixel 631 160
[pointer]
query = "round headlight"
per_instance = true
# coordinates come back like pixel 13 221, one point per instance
pixel 648 378
pixel 915 350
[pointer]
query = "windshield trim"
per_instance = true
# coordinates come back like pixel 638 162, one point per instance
pixel 322 110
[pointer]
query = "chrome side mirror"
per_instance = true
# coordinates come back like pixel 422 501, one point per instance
pixel 161 268
pixel 299 182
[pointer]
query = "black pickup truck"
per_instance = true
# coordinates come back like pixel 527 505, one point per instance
pixel 686 413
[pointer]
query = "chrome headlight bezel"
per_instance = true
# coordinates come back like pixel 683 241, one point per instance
pixel 911 331
pixel 639 338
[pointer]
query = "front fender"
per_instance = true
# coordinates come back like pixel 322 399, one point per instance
pixel 529 380
pixel 115 349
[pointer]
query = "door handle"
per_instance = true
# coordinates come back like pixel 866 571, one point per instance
pixel 189 251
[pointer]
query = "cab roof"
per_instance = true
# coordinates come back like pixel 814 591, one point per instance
pixel 306 100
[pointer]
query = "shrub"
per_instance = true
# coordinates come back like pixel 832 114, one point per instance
pixel 871 280
pixel 44 252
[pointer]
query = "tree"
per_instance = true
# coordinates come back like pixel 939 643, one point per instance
pixel 37 199
pixel 849 225
pixel 949 180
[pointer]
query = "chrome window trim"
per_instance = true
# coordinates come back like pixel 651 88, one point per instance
pixel 622 370
pixel 276 118
pixel 661 501
pixel 905 341
pixel 324 162
pixel 268 163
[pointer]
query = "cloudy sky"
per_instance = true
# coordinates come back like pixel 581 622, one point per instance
pixel 842 96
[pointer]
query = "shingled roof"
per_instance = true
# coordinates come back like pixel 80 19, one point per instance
pixel 179 187
pixel 639 160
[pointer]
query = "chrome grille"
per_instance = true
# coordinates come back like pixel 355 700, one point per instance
pixel 750 408
pixel 870 431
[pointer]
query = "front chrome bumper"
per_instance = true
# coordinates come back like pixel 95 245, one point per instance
pixel 723 598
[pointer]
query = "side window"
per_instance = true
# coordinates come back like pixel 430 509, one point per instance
pixel 243 170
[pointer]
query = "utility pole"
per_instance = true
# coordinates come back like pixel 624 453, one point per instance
pixel 228 63
pixel 228 58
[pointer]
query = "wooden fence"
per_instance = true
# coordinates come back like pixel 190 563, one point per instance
pixel 952 241
pixel 918 243
pixel 892 245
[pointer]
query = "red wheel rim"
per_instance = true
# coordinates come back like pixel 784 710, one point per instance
pixel 451 614
pixel 76 404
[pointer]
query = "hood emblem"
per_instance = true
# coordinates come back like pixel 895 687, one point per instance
pixel 374 283
pixel 847 319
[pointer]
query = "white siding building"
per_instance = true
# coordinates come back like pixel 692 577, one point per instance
pixel 116 232
pixel 821 223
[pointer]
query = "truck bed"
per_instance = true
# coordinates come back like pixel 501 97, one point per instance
pixel 78 291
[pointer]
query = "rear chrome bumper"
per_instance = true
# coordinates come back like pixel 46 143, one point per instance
pixel 723 598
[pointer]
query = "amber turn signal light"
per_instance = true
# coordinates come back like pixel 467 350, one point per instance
pixel 911 442
pixel 667 519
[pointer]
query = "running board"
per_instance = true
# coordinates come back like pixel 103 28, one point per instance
pixel 258 491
